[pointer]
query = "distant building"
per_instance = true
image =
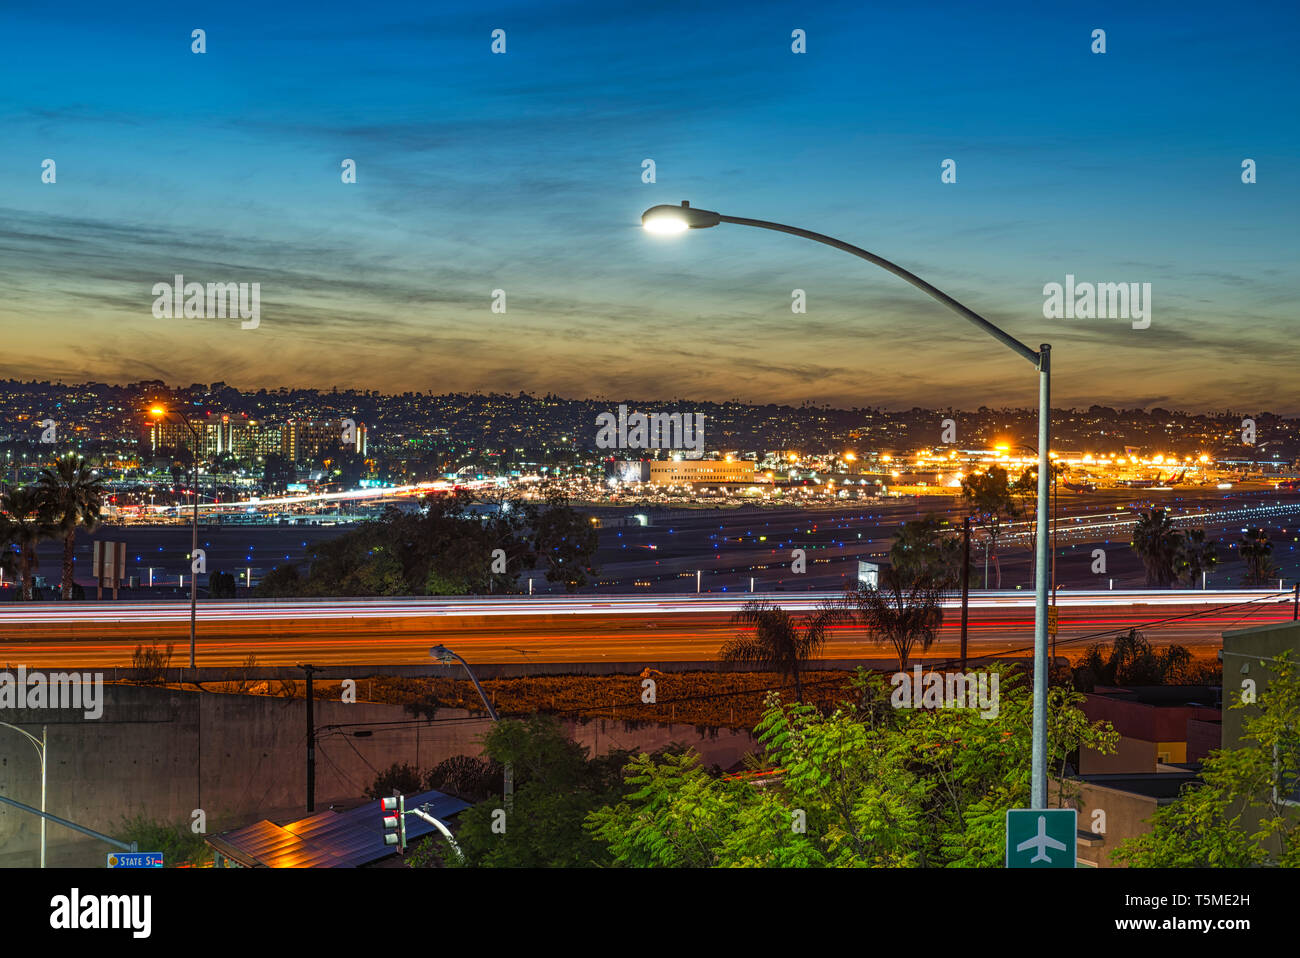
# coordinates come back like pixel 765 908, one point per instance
pixel 223 434
pixel 167 434
pixel 250 438
pixel 303 439
pixel 710 472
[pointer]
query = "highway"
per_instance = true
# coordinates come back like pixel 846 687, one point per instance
pixel 514 629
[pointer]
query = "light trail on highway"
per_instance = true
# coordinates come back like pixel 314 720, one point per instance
pixel 634 629
pixel 272 610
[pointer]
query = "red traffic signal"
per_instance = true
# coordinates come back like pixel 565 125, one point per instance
pixel 394 825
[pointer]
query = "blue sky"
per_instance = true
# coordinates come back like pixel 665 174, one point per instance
pixel 522 172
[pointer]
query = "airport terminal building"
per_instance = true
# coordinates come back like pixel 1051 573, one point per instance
pixel 710 472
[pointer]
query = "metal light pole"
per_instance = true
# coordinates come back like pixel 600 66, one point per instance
pixel 1055 523
pixel 446 655
pixel 679 219
pixel 965 586
pixel 40 745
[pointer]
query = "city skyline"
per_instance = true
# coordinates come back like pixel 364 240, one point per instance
pixel 522 172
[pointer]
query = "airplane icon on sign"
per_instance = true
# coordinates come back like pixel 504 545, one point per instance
pixel 1040 843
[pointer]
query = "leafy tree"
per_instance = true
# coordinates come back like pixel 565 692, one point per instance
pixel 277 473
pixel 149 665
pixel 1257 551
pixel 1131 661
pixel 924 547
pixel 1025 492
pixel 900 611
pixel 779 642
pixel 283 581
pixel 225 462
pixel 1243 813
pixel 991 498
pixel 400 776
pixel 221 585
pixel 1159 545
pixel 466 777
pixel 72 495
pixel 445 549
pixel 863 786
pixel 345 465
pixel 179 844
pixel 555 785
pixel 565 541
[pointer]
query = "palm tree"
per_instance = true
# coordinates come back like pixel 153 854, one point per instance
pixel 73 495
pixel 1196 556
pixel 1257 551
pixel 905 612
pixel 779 642
pixel 1158 544
pixel 8 557
pixel 26 524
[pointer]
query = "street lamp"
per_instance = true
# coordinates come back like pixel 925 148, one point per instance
pixel 159 412
pixel 679 219
pixel 40 746
pixel 447 656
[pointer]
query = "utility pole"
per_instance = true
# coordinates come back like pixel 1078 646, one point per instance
pixel 965 585
pixel 194 548
pixel 311 737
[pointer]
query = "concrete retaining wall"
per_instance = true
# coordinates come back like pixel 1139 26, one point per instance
pixel 163 754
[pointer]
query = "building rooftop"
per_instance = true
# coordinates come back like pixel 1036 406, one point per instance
pixel 329 839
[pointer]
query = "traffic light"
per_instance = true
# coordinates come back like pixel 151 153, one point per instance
pixel 394 825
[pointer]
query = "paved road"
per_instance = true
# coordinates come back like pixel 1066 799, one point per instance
pixel 391 633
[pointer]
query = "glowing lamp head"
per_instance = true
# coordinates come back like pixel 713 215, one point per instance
pixel 665 224
pixel 157 412
pixel 678 219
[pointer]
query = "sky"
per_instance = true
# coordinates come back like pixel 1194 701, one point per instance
pixel 522 171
